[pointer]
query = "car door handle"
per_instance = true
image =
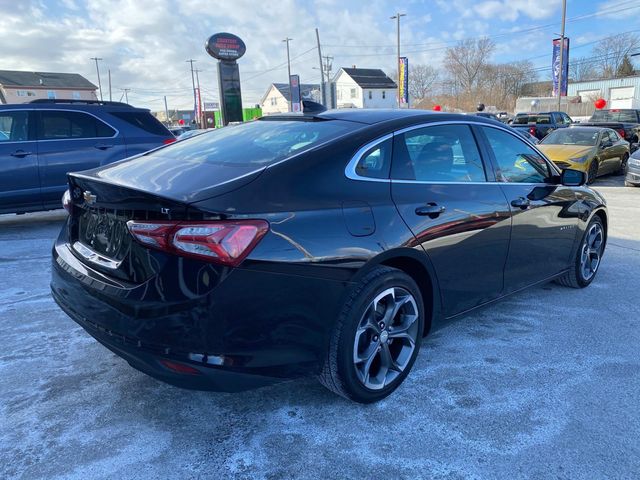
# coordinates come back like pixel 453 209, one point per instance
pixel 102 146
pixel 521 202
pixel 20 153
pixel 432 210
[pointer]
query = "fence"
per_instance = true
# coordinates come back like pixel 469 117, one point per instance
pixel 571 105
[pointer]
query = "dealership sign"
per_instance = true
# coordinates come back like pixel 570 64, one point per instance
pixel 403 80
pixel 556 67
pixel 225 46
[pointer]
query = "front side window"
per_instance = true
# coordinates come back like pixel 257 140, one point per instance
pixel 516 161
pixel 58 125
pixel 375 162
pixel 446 153
pixel 14 126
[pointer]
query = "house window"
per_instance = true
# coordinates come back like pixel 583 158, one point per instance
pixel 384 94
pixel 353 93
pixel 339 94
pixel 51 94
pixel 370 94
pixel 25 93
pixel 274 101
pixel 75 95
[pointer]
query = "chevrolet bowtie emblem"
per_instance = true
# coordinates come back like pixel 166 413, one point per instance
pixel 89 197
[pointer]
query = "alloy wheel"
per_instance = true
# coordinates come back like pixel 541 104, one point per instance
pixel 386 338
pixel 591 251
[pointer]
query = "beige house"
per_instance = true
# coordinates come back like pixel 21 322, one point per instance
pixel 276 100
pixel 23 87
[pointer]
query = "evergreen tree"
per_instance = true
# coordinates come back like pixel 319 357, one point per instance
pixel 626 68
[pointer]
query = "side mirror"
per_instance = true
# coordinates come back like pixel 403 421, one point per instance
pixel 605 144
pixel 573 178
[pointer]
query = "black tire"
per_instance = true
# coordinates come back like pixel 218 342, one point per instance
pixel 575 278
pixel 623 165
pixel 339 372
pixel 592 174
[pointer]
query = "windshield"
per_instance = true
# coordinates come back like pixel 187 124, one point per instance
pixel 259 142
pixel 571 136
pixel 524 119
pixel 627 116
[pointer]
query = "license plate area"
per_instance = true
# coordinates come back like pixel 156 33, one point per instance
pixel 104 236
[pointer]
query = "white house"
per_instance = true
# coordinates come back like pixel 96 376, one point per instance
pixel 276 100
pixel 364 88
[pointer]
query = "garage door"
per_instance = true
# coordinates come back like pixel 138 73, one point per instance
pixel 589 96
pixel 622 97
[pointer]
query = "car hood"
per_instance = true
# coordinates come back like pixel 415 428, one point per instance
pixel 565 152
pixel 183 181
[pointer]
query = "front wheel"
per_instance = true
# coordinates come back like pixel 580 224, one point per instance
pixel 623 164
pixel 593 171
pixel 587 260
pixel 377 337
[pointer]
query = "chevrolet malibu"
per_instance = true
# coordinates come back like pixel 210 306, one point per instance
pixel 326 244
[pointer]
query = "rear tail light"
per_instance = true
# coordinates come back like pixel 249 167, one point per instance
pixel 67 204
pixel 167 141
pixel 224 242
pixel 180 367
pixel 532 131
pixel 622 133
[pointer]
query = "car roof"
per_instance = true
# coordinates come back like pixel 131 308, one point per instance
pixel 62 105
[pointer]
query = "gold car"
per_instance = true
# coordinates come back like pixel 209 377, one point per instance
pixel 593 150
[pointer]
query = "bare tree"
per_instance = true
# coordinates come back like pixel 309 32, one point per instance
pixel 581 69
pixel 609 52
pixel 421 80
pixel 465 61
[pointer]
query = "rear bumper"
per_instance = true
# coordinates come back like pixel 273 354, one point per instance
pixel 253 329
pixel 633 175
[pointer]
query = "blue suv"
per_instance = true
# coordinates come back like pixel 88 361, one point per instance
pixel 40 142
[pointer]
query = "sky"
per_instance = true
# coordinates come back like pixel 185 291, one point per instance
pixel 146 43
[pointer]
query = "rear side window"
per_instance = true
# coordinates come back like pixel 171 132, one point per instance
pixel 260 142
pixel 516 161
pixel 375 162
pixel 445 153
pixel 143 120
pixel 58 125
pixel 14 126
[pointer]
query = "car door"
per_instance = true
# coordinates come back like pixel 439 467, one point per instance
pixel 19 179
pixel 459 219
pixel 72 141
pixel 608 153
pixel 544 214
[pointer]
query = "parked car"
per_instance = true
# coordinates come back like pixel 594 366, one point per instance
pixel 46 139
pixel 525 134
pixel 192 133
pixel 177 131
pixel 624 121
pixel 541 124
pixel 593 150
pixel 231 261
pixel 632 178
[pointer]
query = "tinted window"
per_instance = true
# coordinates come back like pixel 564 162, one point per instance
pixel 375 162
pixel 14 126
pixel 571 136
pixel 526 119
pixel 516 161
pixel 256 143
pixel 55 125
pixel 143 120
pixel 614 135
pixel 629 116
pixel 438 154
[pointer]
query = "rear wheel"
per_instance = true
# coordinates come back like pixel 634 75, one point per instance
pixel 593 171
pixel 588 256
pixel 377 337
pixel 623 164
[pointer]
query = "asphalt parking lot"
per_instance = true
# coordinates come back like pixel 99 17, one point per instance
pixel 545 384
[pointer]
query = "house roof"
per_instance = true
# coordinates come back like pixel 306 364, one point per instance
pixel 12 78
pixel 370 77
pixel 305 89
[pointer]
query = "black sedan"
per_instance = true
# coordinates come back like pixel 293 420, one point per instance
pixel 320 244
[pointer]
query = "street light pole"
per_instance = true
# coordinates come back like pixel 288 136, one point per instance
pixel 193 86
pixel 397 17
pixel 287 40
pixel 98 71
pixel 560 73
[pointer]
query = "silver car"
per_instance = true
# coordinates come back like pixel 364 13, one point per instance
pixel 633 170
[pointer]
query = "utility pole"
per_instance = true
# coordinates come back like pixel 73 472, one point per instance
pixel 287 40
pixel 98 71
pixel 560 73
pixel 200 121
pixel 397 18
pixel 126 94
pixel 193 84
pixel 110 99
pixel 327 69
pixel 322 88
pixel 166 111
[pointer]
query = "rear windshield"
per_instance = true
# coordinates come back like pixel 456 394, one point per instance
pixel 259 142
pixel 571 136
pixel 143 120
pixel 525 119
pixel 627 116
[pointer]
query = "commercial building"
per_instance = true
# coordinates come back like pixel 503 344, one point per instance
pixel 24 87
